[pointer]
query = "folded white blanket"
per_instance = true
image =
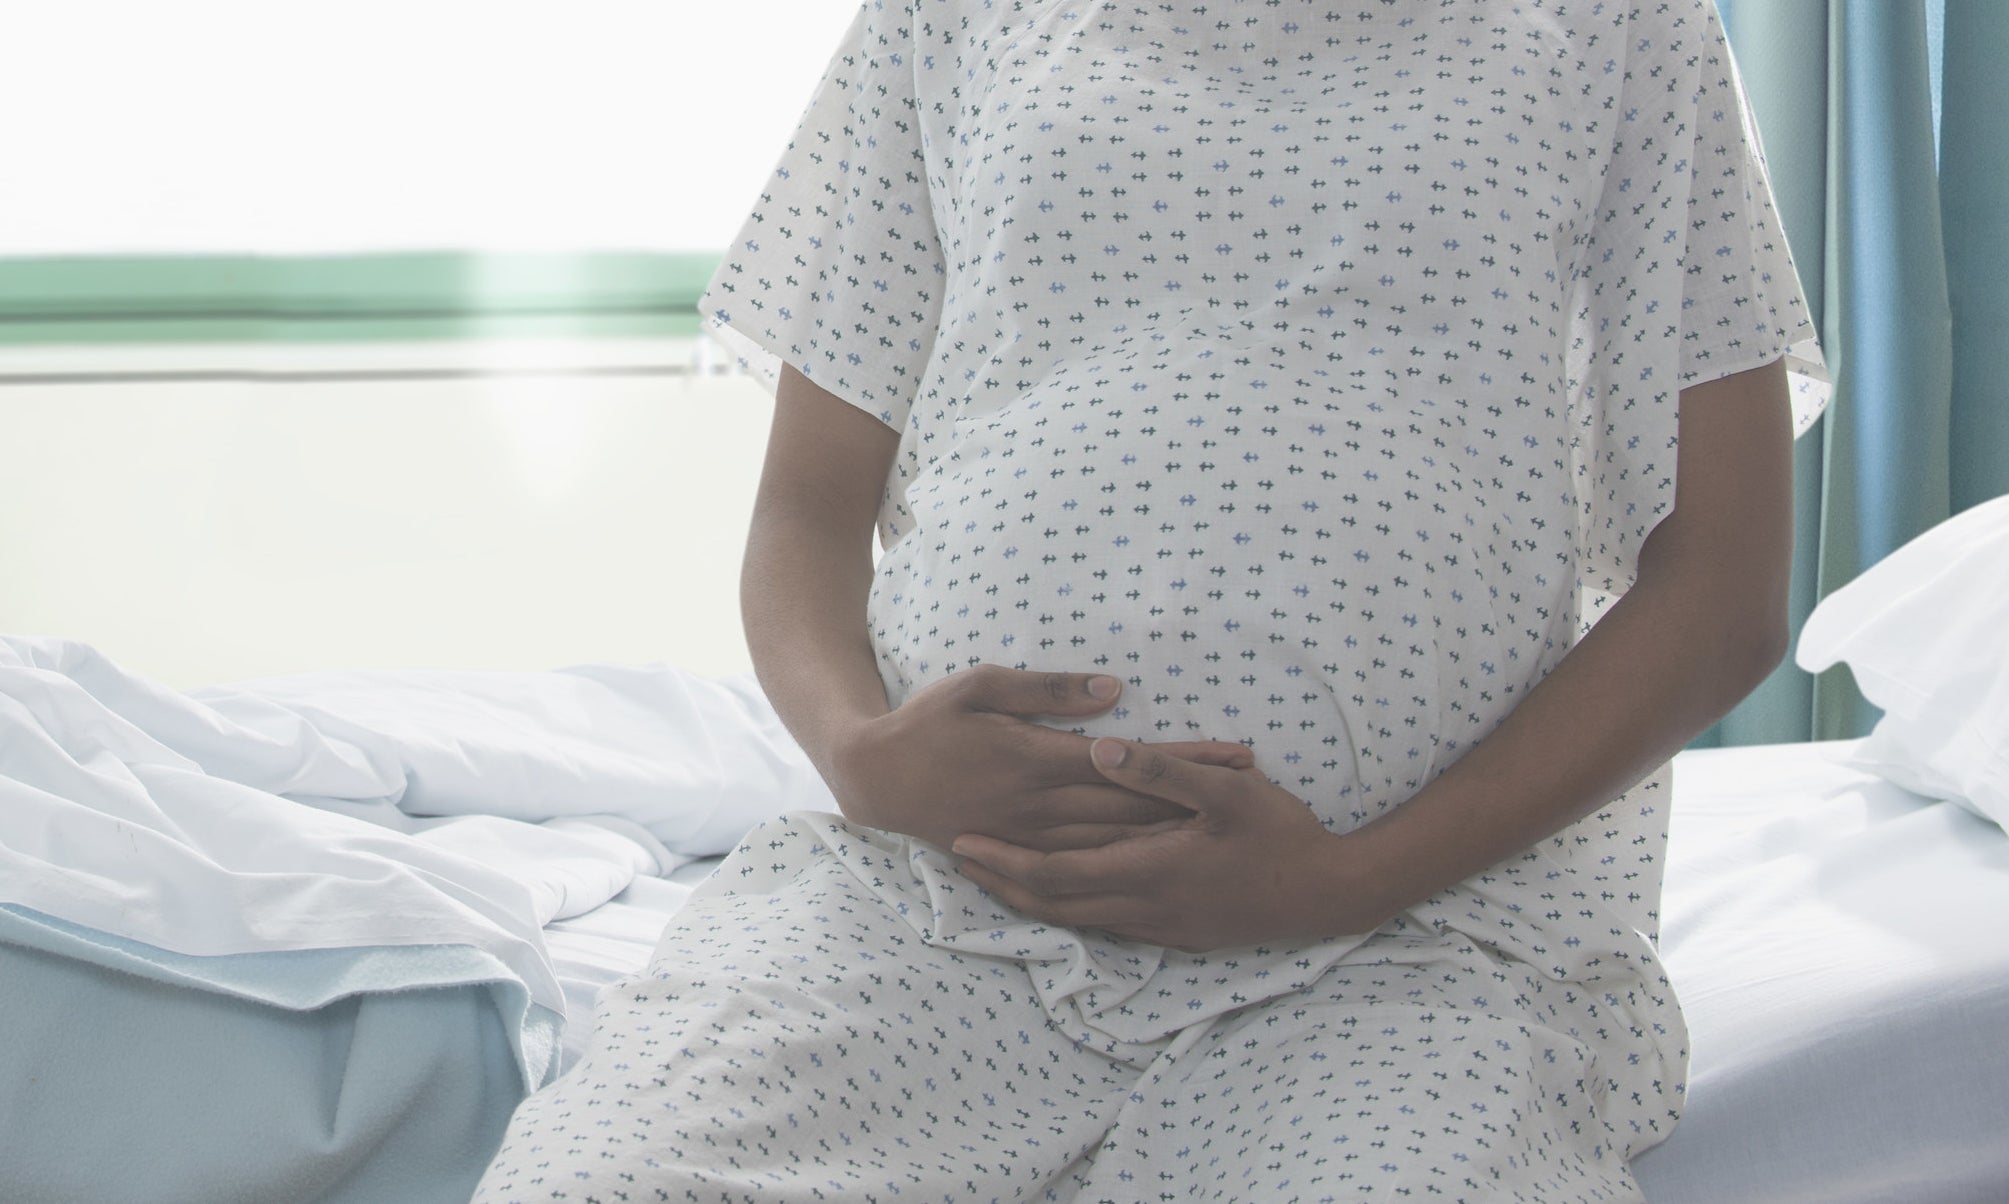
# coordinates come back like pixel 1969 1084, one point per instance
pixel 176 820
pixel 693 760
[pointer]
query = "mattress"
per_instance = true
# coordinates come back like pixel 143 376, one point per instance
pixel 386 1093
pixel 1837 943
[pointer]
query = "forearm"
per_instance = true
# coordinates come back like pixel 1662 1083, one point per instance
pixel 802 598
pixel 1701 627
pixel 808 567
pixel 1659 669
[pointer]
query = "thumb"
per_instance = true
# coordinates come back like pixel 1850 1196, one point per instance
pixel 1210 752
pixel 1026 692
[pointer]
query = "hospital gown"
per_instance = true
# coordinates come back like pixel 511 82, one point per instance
pixel 1312 367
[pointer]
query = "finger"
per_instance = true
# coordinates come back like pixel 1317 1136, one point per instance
pixel 1055 758
pixel 1149 769
pixel 1092 836
pixel 1098 802
pixel 1051 757
pixel 1077 911
pixel 1028 692
pixel 1211 752
pixel 1101 870
pixel 1075 817
pixel 1058 758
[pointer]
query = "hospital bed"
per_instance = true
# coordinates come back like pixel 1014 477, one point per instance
pixel 1836 937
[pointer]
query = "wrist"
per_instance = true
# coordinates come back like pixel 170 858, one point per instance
pixel 846 755
pixel 1359 886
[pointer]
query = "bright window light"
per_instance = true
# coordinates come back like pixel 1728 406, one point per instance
pixel 371 125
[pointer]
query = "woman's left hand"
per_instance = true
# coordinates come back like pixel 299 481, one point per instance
pixel 1252 864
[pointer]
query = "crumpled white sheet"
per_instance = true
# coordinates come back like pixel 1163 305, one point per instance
pixel 695 761
pixel 177 820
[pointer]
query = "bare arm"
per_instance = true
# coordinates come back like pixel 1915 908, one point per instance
pixel 1700 628
pixel 808 565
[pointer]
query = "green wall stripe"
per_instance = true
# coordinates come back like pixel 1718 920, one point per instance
pixel 445 328
pixel 333 298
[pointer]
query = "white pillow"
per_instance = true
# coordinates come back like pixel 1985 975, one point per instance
pixel 1925 631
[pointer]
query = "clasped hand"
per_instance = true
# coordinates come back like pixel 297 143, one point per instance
pixel 1186 845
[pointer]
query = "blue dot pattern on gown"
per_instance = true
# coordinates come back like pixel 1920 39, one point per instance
pixel 1311 366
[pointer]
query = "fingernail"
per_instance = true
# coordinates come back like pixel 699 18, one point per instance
pixel 1104 688
pixel 1108 753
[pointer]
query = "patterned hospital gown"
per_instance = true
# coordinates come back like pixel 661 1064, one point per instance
pixel 1311 365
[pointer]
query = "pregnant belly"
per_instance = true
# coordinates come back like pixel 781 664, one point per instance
pixel 1243 547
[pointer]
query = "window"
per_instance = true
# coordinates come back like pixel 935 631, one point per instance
pixel 215 126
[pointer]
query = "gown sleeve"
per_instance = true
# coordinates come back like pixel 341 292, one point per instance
pixel 838 270
pixel 1683 277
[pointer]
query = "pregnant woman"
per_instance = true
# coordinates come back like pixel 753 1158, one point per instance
pixel 1328 455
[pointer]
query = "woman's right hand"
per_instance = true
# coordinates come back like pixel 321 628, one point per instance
pixel 963 755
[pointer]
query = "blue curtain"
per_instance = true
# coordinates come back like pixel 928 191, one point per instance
pixel 1886 131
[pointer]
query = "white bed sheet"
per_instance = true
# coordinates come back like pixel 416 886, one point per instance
pixel 1838 944
pixel 612 941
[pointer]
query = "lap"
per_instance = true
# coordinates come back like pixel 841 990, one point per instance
pixel 801 1041
pixel 1397 1075
pixel 804 1044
